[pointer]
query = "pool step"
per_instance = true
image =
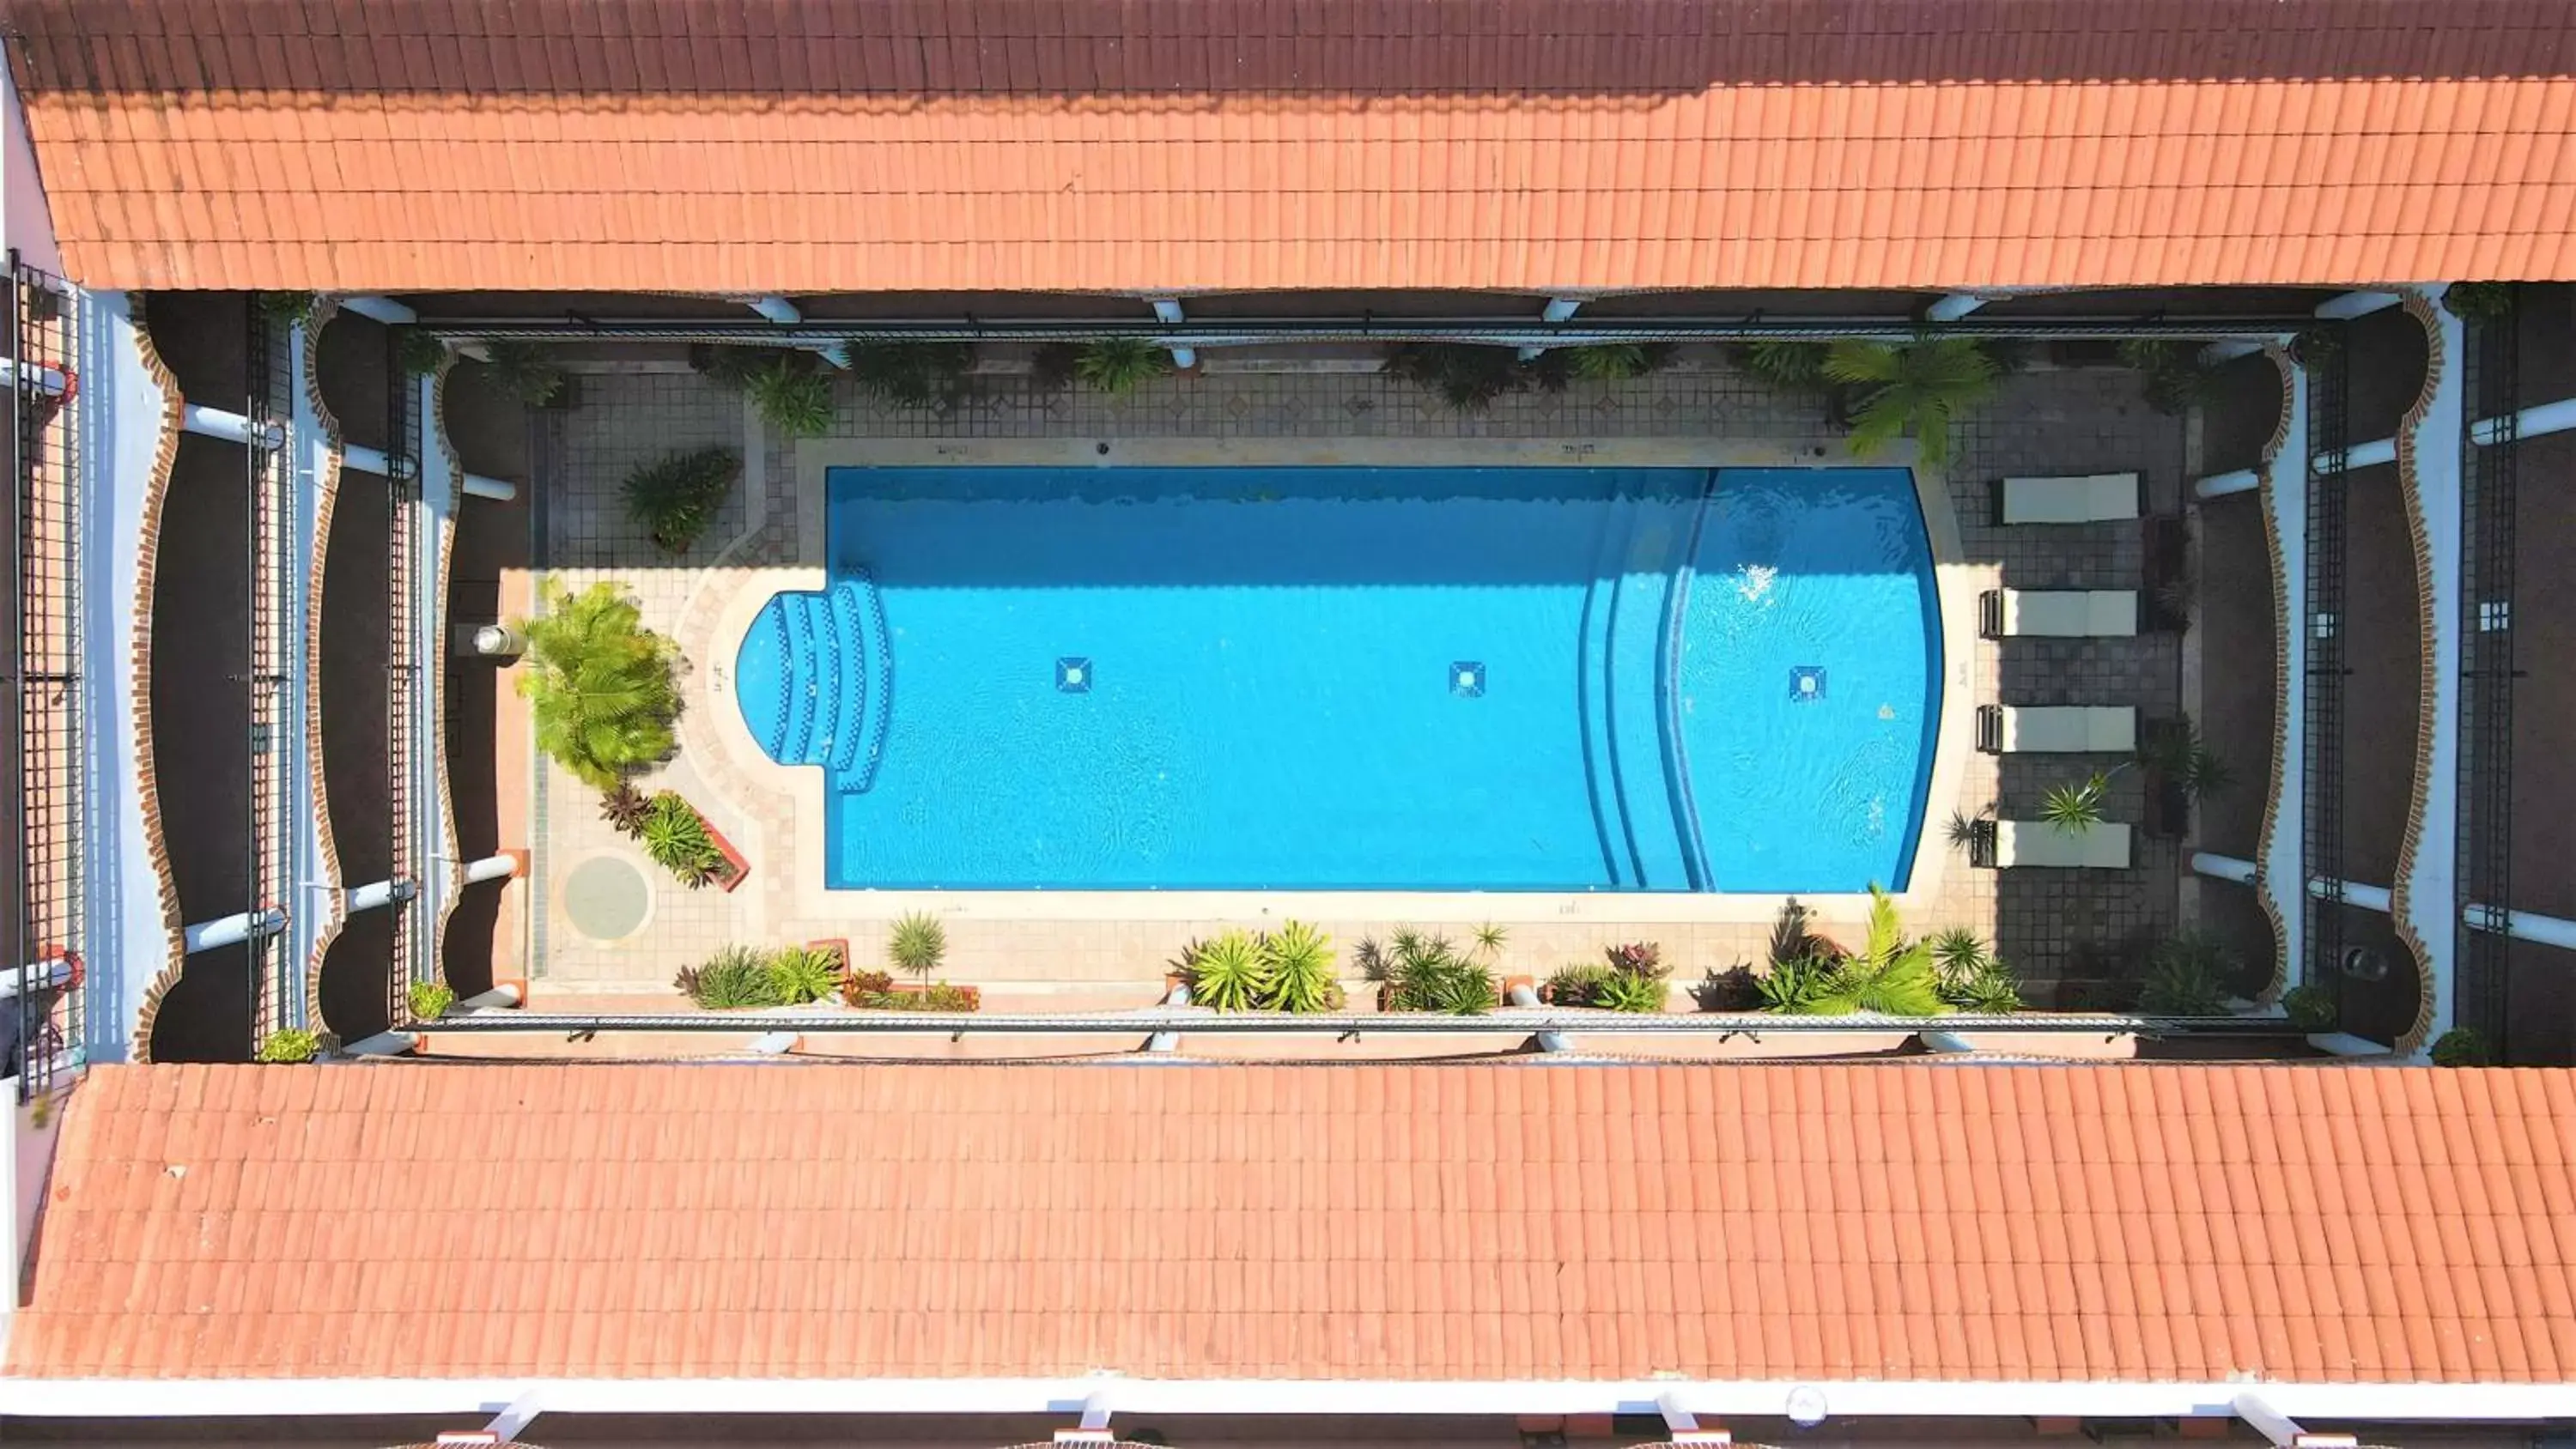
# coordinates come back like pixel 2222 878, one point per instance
pixel 1654 825
pixel 811 677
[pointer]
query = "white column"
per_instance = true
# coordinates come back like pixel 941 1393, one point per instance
pixel 1558 309
pixel 2228 351
pixel 777 309
pixel 2531 422
pixel 381 309
pixel 232 930
pixel 51 381
pixel 1953 307
pixel 231 427
pixel 1168 309
pixel 2356 304
pixel 380 894
pixel 2372 454
pixel 2428 889
pixel 2219 485
pixel 492 867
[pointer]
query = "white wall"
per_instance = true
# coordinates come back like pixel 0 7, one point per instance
pixel 24 218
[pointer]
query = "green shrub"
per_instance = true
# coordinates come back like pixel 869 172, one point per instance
pixel 733 978
pixel 1903 984
pixel 1958 953
pixel 912 374
pixel 918 944
pixel 290 1044
pixel 1120 364
pixel 2309 1008
pixel 1617 361
pixel 674 497
pixel 285 309
pixel 2187 975
pixel 522 370
pixel 599 686
pixel 795 399
pixel 1468 376
pixel 2175 380
pixel 1624 991
pixel 1787 365
pixel 1914 388
pixel 2462 1046
pixel 2479 301
pixel 729 365
pixel 1053 365
pixel 430 1000
pixel 418 351
pixel 1990 990
pixel 804 973
pixel 1229 973
pixel 1578 985
pixel 1430 974
pixel 1297 964
pixel 676 839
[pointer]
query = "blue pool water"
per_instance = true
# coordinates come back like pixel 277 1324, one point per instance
pixel 1352 678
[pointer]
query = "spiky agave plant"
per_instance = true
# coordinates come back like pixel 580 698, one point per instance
pixel 1617 361
pixel 918 944
pixel 2076 808
pixel 793 397
pixel 1916 387
pixel 1297 962
pixel 1120 364
pixel 1229 974
pixel 600 688
pixel 804 973
pixel 1959 953
pixel 1625 991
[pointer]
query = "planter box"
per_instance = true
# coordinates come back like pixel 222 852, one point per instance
pixel 733 857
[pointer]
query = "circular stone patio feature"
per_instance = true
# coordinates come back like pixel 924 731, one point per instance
pixel 606 898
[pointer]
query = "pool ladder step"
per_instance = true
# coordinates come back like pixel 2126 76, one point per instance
pixel 834 674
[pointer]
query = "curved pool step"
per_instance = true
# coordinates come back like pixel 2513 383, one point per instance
pixel 1658 829
pixel 810 677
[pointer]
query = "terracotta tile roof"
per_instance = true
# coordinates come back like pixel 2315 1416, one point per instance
pixel 968 145
pixel 1409 1222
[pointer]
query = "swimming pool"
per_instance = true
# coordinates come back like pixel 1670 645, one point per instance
pixel 1507 679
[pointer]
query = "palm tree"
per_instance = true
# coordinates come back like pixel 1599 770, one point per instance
pixel 1891 975
pixel 601 690
pixel 1916 387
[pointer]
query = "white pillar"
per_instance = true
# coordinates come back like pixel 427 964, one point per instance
pixel 2521 925
pixel 232 930
pixel 504 996
pixel 51 381
pixel 1558 309
pixel 1953 307
pixel 778 310
pixel 2219 485
pixel 382 1044
pixel 2428 889
pixel 380 894
pixel 2373 454
pixel 1168 309
pixel 1520 993
pixel 34 976
pixel 2228 351
pixel 231 427
pixel 381 309
pixel 492 867
pixel 2549 417
pixel 2356 304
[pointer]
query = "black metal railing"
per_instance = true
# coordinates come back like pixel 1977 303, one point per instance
pixel 268 820
pixel 402 671
pixel 2321 863
pixel 45 780
pixel 2493 386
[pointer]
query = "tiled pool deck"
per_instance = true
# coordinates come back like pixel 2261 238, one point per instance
pixel 1108 949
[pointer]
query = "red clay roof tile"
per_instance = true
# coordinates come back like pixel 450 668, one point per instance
pixel 1416 1222
pixel 813 145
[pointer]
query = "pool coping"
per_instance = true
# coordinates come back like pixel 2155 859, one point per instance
pixel 770 798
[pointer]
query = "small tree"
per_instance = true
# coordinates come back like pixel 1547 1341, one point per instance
pixel 1916 387
pixel 601 688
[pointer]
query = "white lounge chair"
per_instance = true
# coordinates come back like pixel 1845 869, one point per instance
pixel 2058 613
pixel 2091 498
pixel 2058 729
pixel 2096 847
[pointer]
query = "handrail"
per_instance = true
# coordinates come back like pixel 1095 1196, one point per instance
pixel 1403 1023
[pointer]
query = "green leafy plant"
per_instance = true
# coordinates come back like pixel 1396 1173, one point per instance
pixel 1991 990
pixel 285 309
pixel 1467 376
pixel 1577 985
pixel 2174 377
pixel 289 1044
pixel 2479 301
pixel 2463 1046
pixel 1794 986
pixel 1617 361
pixel 1052 366
pixel 599 686
pixel 1890 975
pixel 522 370
pixel 1490 939
pixel 912 374
pixel 623 806
pixel 1787 365
pixel 1229 974
pixel 2310 1008
pixel 1963 830
pixel 2186 759
pixel 733 978
pixel 1120 364
pixel 675 838
pixel 878 994
pixel 733 366
pixel 2074 809
pixel 674 497
pixel 1914 388
pixel 796 399
pixel 1623 991
pixel 1429 974
pixel 1959 953
pixel 804 973
pixel 418 352
pixel 918 943
pixel 429 1000
pixel 2187 975
pixel 1297 970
